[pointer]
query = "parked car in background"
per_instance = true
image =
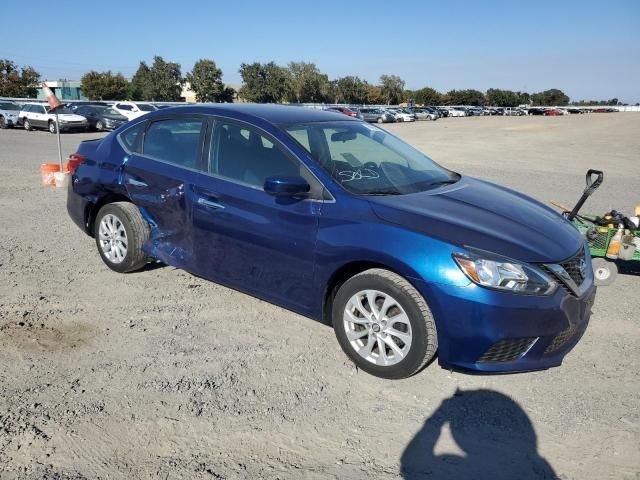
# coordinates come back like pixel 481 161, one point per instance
pixel 537 111
pixel 442 111
pixel 424 114
pixel 402 114
pixel 39 116
pixel 344 110
pixel 575 110
pixel 552 112
pixel 457 112
pixel 101 118
pixel 9 114
pixel 376 115
pixel 345 223
pixel 133 110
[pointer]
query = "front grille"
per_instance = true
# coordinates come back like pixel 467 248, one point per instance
pixel 507 350
pixel 572 267
pixel 560 340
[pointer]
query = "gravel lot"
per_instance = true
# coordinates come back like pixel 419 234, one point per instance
pixel 162 375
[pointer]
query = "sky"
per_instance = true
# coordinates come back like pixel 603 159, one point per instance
pixel 589 49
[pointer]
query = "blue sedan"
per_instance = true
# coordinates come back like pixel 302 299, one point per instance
pixel 342 222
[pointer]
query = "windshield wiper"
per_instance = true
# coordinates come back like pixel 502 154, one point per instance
pixel 382 191
pixel 443 182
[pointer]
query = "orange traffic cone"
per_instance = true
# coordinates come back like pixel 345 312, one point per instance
pixel 52 100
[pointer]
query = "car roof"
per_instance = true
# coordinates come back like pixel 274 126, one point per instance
pixel 275 114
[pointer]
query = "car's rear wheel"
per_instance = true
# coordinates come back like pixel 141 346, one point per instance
pixel 26 124
pixel 99 126
pixel 3 123
pixel 52 126
pixel 384 325
pixel 380 120
pixel 120 232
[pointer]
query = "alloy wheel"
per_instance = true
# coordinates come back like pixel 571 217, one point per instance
pixel 113 238
pixel 377 327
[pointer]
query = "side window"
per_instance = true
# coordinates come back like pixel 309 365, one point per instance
pixel 40 109
pixel 243 154
pixel 131 137
pixel 302 137
pixel 177 141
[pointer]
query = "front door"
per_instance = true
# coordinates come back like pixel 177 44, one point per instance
pixel 245 237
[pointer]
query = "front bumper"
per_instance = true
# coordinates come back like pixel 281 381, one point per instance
pixel 484 330
pixel 74 127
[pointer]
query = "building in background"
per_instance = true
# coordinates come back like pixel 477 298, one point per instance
pixel 189 95
pixel 64 90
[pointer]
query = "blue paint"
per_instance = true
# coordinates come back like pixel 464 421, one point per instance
pixel 287 250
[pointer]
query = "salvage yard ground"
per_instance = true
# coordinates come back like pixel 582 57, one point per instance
pixel 162 375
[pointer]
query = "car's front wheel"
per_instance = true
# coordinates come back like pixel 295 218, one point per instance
pixel 52 127
pixel 384 325
pixel 99 126
pixel 120 232
pixel 26 124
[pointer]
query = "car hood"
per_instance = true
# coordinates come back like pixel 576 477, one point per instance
pixel 69 117
pixel 479 214
pixel 120 118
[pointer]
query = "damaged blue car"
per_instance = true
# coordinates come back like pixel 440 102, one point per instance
pixel 342 222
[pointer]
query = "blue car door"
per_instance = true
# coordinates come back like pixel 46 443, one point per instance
pixel 245 237
pixel 157 179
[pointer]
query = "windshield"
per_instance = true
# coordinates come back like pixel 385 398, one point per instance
pixel 9 106
pixel 369 161
pixel 107 111
pixel 61 110
pixel 145 107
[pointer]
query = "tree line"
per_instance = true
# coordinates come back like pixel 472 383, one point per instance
pixel 297 82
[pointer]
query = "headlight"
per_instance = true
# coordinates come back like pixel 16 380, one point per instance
pixel 502 273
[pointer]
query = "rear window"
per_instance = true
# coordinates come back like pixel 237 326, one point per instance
pixel 130 138
pixel 177 141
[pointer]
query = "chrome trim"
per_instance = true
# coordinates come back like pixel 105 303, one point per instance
pixel 559 271
pixel 136 183
pixel 208 203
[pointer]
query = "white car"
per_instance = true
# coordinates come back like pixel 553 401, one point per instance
pixel 9 114
pixel 36 115
pixel 402 115
pixel 133 110
pixel 455 111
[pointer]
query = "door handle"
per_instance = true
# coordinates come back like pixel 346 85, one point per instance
pixel 209 203
pixel 136 183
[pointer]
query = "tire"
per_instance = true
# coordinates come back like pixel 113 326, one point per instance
pixel 3 123
pixel 419 343
pixel 122 216
pixel 99 126
pixel 380 120
pixel 27 124
pixel 604 272
pixel 52 126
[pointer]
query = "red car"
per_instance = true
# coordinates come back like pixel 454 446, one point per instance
pixel 552 112
pixel 343 110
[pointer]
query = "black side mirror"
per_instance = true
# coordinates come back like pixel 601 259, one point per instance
pixel 286 186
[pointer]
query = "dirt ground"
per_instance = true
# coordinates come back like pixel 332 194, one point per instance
pixel 162 375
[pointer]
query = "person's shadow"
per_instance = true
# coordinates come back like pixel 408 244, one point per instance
pixel 494 436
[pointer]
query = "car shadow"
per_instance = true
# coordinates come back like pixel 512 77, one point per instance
pixel 491 437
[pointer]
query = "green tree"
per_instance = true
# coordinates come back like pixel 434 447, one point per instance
pixel 427 96
pixel 17 82
pixel 392 87
pixel 550 97
pixel 104 86
pixel 502 98
pixel 307 83
pixel 140 86
pixel 465 97
pixel 206 81
pixel 374 95
pixel 165 80
pixel 264 83
pixel 351 90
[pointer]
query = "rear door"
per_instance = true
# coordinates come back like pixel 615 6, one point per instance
pixel 161 168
